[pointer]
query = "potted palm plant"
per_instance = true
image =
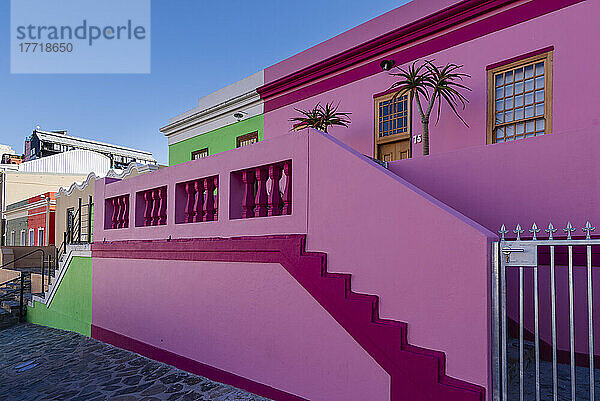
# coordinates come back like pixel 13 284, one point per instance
pixel 320 117
pixel 429 85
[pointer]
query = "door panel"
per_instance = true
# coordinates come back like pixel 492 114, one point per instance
pixel 391 151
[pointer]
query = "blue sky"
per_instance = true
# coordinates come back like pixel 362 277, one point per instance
pixel 197 47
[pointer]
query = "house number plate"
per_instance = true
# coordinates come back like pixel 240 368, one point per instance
pixel 518 253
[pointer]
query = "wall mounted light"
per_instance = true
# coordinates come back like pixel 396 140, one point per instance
pixel 387 65
pixel 239 115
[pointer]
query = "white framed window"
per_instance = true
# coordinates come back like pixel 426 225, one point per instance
pixel 31 241
pixel 12 238
pixel 40 237
pixel 23 238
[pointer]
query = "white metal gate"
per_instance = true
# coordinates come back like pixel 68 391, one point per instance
pixel 531 325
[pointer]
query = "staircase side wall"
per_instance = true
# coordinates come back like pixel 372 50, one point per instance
pixel 428 264
pixel 252 320
pixel 71 307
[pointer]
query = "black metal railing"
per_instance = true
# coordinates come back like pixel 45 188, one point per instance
pixel 10 294
pixel 45 261
pixel 75 234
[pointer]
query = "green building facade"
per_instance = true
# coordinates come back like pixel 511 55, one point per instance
pixel 218 140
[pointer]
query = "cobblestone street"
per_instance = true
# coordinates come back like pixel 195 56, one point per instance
pixel 41 363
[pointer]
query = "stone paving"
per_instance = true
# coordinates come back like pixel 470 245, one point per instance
pixel 582 377
pixel 41 363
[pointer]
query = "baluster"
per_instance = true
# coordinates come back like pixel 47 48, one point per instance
pixel 287 193
pixel 148 208
pixel 162 210
pixel 248 199
pixel 198 206
pixel 275 196
pixel 216 184
pixel 125 212
pixel 261 191
pixel 189 203
pixel 209 203
pixel 121 210
pixel 115 208
pixel 155 206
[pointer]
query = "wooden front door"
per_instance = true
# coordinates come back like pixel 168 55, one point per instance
pixel 391 151
pixel 392 127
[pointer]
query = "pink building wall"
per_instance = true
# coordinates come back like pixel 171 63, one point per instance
pixel 385 248
pixel 402 247
pixel 250 319
pixel 575 99
pixel 516 183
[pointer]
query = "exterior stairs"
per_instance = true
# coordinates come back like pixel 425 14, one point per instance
pixel 57 274
pixel 10 305
pixel 417 374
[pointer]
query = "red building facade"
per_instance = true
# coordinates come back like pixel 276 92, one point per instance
pixel 41 219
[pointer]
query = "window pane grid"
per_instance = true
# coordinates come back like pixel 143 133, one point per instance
pixel 393 117
pixel 519 102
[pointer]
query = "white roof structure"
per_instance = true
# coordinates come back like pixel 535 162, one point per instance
pixel 6 149
pixel 72 162
pixel 89 144
pixel 218 109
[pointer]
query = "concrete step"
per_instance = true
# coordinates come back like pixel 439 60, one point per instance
pixel 12 306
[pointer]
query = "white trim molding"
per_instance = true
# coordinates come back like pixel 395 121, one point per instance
pixel 217 110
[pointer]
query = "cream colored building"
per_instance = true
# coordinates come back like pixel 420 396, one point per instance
pixel 73 219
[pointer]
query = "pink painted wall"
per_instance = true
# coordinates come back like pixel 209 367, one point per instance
pixel 403 247
pixel 428 264
pixel 221 164
pixel 575 98
pixel 550 178
pixel 250 319
pixel 514 183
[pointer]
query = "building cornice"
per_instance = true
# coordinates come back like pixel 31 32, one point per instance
pixel 363 60
pixel 232 105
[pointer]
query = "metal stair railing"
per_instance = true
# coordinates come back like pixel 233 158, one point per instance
pixel 10 294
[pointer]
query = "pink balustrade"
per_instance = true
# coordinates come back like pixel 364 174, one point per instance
pixel 153 204
pixel 117 212
pixel 199 200
pixel 263 194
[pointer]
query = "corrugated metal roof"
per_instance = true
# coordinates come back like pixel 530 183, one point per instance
pixel 71 162
pixel 93 145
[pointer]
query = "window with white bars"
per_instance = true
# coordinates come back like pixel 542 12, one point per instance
pixel 520 99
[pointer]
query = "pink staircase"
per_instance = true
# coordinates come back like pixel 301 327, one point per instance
pixel 416 373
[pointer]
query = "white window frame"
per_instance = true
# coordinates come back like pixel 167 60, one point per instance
pixel 13 237
pixel 23 238
pixel 31 237
pixel 43 239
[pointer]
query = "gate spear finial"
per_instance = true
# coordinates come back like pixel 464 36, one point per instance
pixel 534 230
pixel 518 230
pixel 550 230
pixel 502 232
pixel 569 230
pixel 588 230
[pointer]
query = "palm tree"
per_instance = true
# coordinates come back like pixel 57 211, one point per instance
pixel 321 117
pixel 432 84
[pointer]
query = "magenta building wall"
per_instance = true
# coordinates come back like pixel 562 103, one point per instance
pixel 409 246
pixel 516 183
pixel 575 99
pixel 402 247
pixel 548 178
pixel 250 319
